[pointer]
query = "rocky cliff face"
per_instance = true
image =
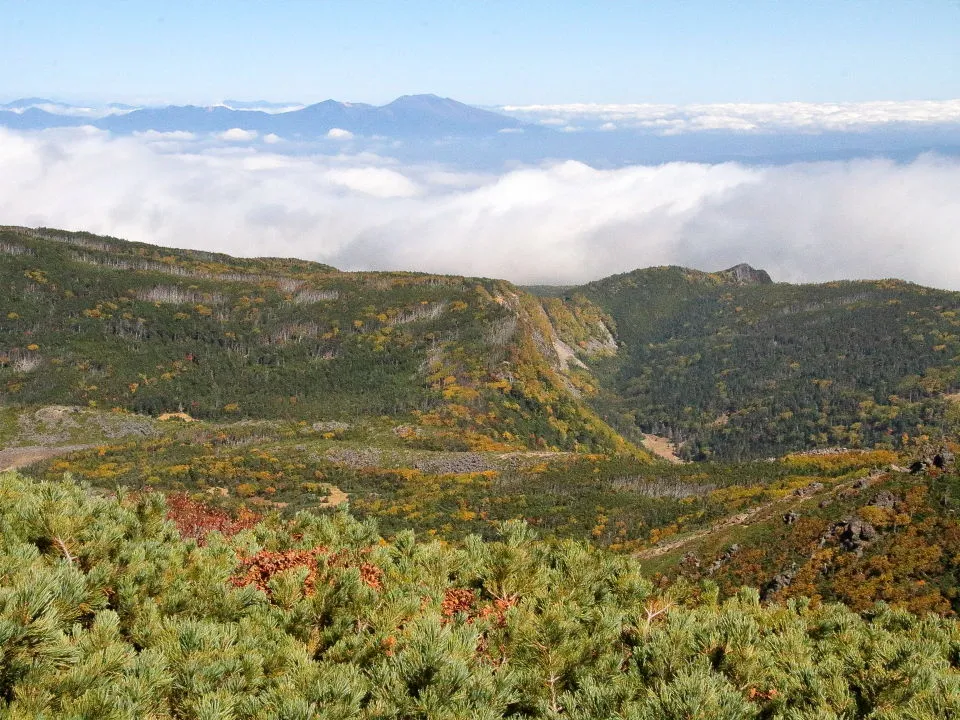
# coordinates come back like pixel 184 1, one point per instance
pixel 744 274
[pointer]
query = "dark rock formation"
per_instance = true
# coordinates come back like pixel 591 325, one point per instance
pixel 940 458
pixel 856 533
pixel 723 559
pixel 779 582
pixel 885 499
pixel 744 274
pixel 809 490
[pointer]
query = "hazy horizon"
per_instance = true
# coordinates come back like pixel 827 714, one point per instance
pixel 817 141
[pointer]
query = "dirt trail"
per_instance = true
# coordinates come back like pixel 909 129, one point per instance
pixel 744 517
pixel 18 457
pixel 335 496
pixel 662 448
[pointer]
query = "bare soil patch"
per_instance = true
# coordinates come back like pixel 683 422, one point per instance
pixel 16 458
pixel 662 448
pixel 335 496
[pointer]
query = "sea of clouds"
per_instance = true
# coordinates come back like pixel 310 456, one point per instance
pixel 663 119
pixel 558 222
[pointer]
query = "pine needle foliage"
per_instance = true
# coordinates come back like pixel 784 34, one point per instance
pixel 106 612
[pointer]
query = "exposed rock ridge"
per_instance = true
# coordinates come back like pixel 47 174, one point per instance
pixel 744 274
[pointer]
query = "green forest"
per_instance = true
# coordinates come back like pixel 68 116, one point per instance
pixel 734 369
pixel 726 366
pixel 97 322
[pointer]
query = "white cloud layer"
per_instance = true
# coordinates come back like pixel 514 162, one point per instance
pixel 744 117
pixel 55 108
pixel 339 134
pixel 238 135
pixel 156 135
pixel 558 223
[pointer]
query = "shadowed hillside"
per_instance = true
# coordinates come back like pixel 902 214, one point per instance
pixel 729 365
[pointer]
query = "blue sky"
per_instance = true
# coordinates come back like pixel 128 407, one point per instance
pixel 494 52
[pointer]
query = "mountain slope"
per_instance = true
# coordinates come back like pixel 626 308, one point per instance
pixel 450 405
pixel 726 365
pixel 730 365
pixel 199 615
pixel 37 119
pixel 102 322
pixel 877 533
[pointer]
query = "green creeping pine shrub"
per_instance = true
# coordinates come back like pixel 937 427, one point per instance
pixel 106 613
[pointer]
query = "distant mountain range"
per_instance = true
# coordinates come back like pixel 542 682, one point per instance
pixel 482 138
pixel 407 116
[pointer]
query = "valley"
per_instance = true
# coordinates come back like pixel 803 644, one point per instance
pixel 451 405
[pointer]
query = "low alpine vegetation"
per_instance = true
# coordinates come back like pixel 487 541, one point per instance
pixel 107 612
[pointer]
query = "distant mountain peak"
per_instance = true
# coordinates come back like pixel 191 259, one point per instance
pixel 744 274
pixel 428 102
pixel 27 102
pixel 421 97
pixel 413 116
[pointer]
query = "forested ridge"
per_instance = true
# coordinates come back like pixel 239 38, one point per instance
pixel 99 322
pixel 726 365
pixel 730 365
